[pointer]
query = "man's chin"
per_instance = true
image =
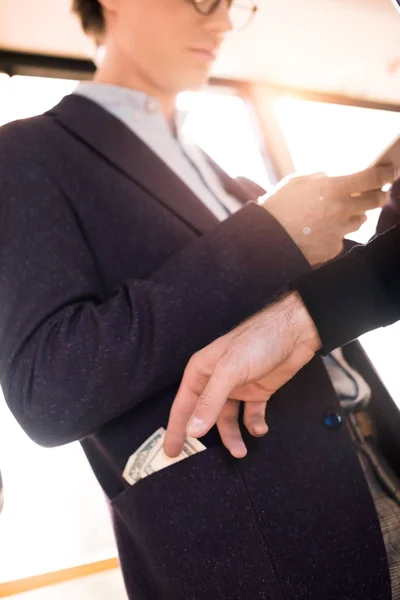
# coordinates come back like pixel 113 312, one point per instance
pixel 196 83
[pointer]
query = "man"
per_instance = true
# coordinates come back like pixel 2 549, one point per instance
pixel 115 266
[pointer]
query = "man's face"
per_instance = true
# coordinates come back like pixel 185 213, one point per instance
pixel 166 41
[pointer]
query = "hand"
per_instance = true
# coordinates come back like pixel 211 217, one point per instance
pixel 317 211
pixel 248 364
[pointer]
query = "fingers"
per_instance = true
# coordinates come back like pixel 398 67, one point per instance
pixel 357 207
pixel 192 384
pixel 367 201
pixel 373 178
pixel 228 427
pixel 254 418
pixel 200 398
pixel 211 401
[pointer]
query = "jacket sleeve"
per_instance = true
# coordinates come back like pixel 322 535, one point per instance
pixel 357 293
pixel 73 359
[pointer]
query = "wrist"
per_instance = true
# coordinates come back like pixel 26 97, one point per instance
pixel 300 322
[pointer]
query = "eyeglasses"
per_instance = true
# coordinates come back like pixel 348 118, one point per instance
pixel 241 11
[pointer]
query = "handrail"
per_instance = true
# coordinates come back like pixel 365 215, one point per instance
pixel 35 582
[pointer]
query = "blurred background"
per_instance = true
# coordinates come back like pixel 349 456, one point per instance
pixel 310 86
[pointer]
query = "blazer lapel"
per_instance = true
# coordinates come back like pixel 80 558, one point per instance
pixel 241 188
pixel 109 137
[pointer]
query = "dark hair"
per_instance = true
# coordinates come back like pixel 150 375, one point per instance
pixel 90 13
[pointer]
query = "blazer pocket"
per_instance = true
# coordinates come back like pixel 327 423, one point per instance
pixel 196 532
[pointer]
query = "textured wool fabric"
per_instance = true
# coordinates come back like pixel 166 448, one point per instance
pixel 358 293
pixel 112 273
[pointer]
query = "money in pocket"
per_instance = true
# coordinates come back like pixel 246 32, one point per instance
pixel 150 456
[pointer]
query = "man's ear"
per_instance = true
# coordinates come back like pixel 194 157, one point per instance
pixel 109 5
pixel 109 9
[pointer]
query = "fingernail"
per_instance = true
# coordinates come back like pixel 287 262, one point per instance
pixel 239 450
pixel 260 429
pixel 195 426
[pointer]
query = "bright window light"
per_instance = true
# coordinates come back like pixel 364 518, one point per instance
pixel 334 138
pixel 337 140
pixel 30 96
pixel 4 98
pixel 221 124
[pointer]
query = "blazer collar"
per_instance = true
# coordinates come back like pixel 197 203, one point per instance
pixel 117 144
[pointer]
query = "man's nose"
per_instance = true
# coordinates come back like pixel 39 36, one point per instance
pixel 220 21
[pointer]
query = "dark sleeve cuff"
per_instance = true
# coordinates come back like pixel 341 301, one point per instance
pixel 355 294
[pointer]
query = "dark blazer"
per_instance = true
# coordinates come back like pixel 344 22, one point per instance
pixel 112 273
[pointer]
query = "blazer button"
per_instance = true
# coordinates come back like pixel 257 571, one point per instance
pixel 333 420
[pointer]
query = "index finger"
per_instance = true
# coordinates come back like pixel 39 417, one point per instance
pixel 200 404
pixel 185 400
pixel 373 178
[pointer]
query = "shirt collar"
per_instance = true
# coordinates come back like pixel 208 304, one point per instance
pixel 113 95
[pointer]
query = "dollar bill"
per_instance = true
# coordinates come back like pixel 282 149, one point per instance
pixel 158 460
pixel 132 471
pixel 150 457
